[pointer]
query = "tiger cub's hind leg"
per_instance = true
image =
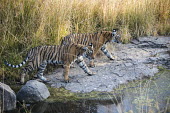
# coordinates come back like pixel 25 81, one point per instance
pixel 22 77
pixel 23 73
pixel 106 52
pixel 41 69
pixel 83 65
pixel 66 72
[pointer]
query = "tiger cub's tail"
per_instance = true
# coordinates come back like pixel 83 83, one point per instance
pixel 16 66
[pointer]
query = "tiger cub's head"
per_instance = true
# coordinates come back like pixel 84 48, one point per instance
pixel 111 36
pixel 115 36
pixel 86 51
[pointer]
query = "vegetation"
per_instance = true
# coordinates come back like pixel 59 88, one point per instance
pixel 28 23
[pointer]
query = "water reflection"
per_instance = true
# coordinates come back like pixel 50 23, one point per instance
pixel 152 96
pixel 83 106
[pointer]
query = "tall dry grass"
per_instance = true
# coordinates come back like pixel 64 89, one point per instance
pixel 29 23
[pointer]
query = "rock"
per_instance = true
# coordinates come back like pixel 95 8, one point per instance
pixel 7 98
pixel 154 42
pixel 32 92
pixel 133 61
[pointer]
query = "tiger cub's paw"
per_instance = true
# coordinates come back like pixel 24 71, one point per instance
pixel 111 58
pixel 72 66
pixel 43 79
pixel 92 65
pixel 91 73
pixel 21 83
pixel 67 81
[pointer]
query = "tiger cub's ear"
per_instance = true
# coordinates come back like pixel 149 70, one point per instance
pixel 114 31
pixel 91 45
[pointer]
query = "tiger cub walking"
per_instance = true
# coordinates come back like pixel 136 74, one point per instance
pixel 40 56
pixel 98 39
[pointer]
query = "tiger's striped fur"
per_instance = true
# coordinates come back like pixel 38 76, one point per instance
pixel 99 40
pixel 40 56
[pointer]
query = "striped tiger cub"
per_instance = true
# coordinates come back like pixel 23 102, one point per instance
pixel 39 57
pixel 99 40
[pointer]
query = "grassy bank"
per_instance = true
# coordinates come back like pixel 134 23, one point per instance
pixel 28 23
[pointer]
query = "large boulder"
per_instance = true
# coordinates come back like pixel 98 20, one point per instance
pixel 32 92
pixel 7 98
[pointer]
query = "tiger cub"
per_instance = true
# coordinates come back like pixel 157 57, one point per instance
pixel 40 56
pixel 99 40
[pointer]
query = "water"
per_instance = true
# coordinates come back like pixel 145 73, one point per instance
pixel 145 96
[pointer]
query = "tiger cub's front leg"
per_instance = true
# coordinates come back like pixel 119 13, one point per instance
pixel 91 64
pixel 83 65
pixel 106 52
pixel 24 71
pixel 65 73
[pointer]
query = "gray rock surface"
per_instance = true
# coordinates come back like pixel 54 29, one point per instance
pixel 33 91
pixel 7 98
pixel 133 61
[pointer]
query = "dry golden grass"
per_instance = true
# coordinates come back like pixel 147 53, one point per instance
pixel 29 23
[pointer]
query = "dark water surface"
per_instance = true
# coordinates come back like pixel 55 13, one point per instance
pixel 146 96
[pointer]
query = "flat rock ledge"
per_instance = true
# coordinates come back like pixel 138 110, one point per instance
pixel 133 61
pixel 7 98
pixel 32 92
